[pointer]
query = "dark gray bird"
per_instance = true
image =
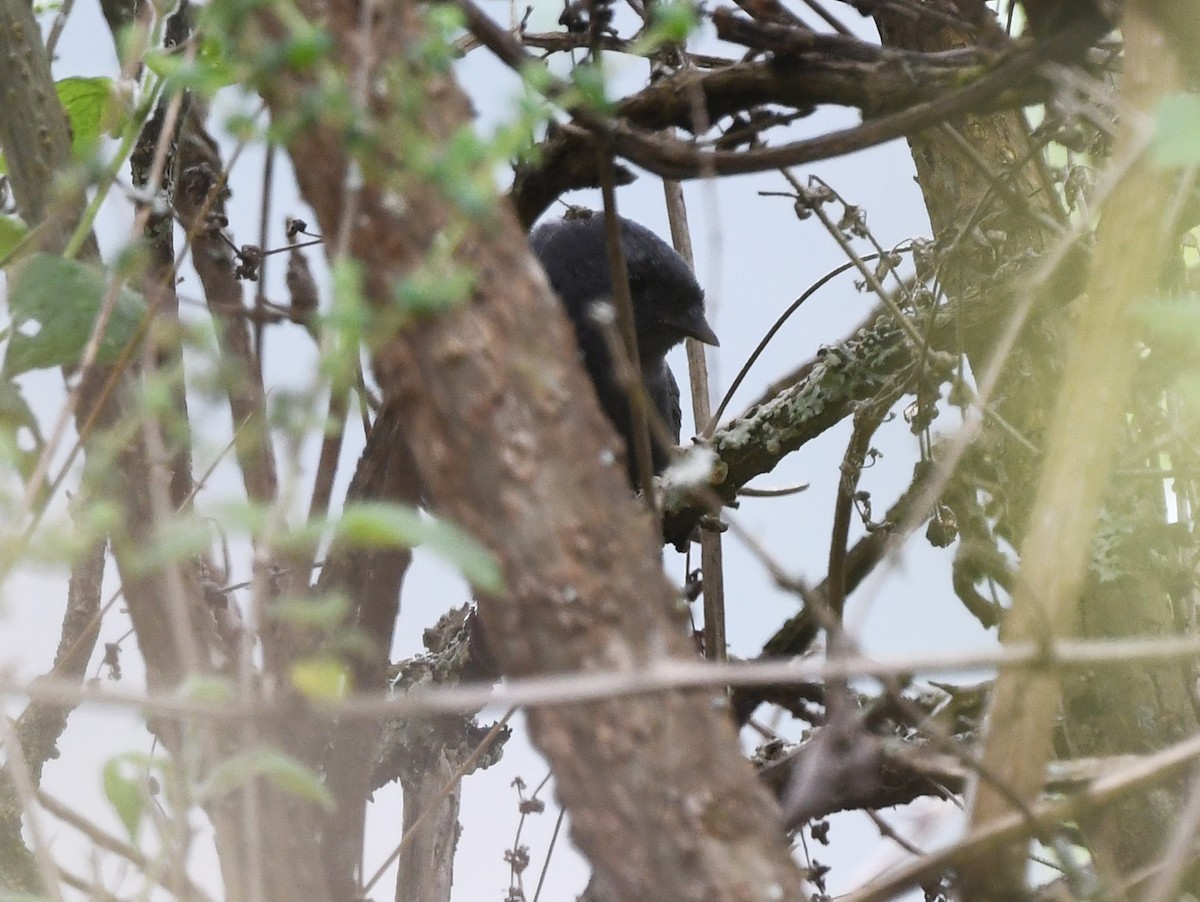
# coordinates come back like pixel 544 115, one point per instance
pixel 668 306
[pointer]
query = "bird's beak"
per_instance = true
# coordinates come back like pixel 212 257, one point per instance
pixel 697 327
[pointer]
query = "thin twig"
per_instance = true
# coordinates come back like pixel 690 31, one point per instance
pixel 558 822
pixel 711 559
pixel 765 340
pixel 1150 770
pixel 570 688
pixel 118 847
pixel 640 452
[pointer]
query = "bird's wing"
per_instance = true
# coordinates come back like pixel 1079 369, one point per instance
pixel 664 395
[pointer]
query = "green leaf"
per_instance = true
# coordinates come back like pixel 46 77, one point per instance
pixel 1176 139
pixel 206 689
pixel 1172 323
pixel 62 298
pixel 282 770
pixel 536 75
pixel 321 679
pixel 91 109
pixel 123 779
pixel 15 412
pixel 12 232
pixel 301 49
pixel 319 613
pixel 674 21
pixel 671 22
pixel 206 73
pixel 590 81
pixel 342 328
pixel 16 418
pixel 178 539
pixel 380 525
pixel 443 22
pixel 432 288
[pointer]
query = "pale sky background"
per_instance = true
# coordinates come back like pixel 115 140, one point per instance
pixel 753 257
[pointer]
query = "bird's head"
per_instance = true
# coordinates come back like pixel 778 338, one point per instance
pixel 668 303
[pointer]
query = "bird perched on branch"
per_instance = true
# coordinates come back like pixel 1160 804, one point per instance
pixel 668 306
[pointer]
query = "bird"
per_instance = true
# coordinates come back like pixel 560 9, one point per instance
pixel 668 306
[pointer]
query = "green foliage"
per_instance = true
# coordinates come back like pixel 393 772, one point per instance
pixel 210 70
pixel 12 232
pixel 244 127
pixel 1172 321
pixel 177 539
pixel 437 285
pixel 61 299
pixel 69 537
pixel 304 48
pixel 591 84
pixel 124 782
pixel 436 50
pixel 1176 139
pixel 319 613
pixel 205 688
pixel 381 525
pixel 671 22
pixel 92 108
pixel 232 17
pixel 537 77
pixel 517 139
pixel 342 329
pixel 320 678
pixel 278 768
pixel 373 525
pixel 16 417
pixel 462 170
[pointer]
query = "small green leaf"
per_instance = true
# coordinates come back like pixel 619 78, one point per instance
pixel 342 328
pixel 206 689
pixel 15 412
pixel 1173 323
pixel 17 422
pixel 125 788
pixel 671 22
pixel 537 76
pixel 592 85
pixel 284 771
pixel 91 109
pixel 436 50
pixel 301 49
pixel 380 525
pixel 432 289
pixel 307 48
pixel 321 679
pixel 206 73
pixel 318 613
pixel 12 232
pixel 178 539
pixel 675 22
pixel 61 298
pixel 1176 139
